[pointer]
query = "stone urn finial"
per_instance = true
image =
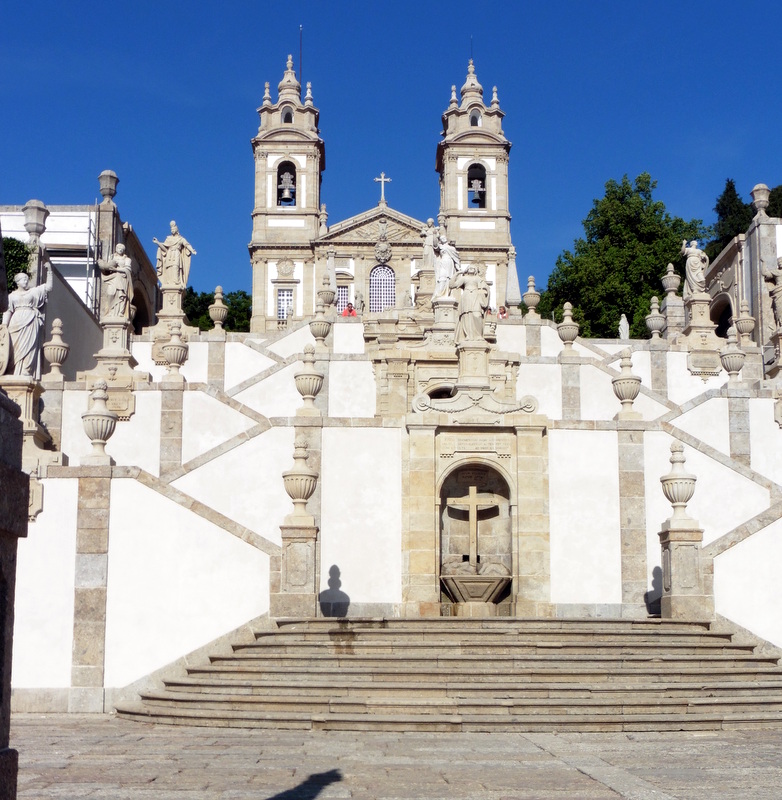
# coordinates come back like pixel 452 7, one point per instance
pixel 760 194
pixel 55 351
pixel 745 324
pixel 35 214
pixel 108 181
pixel 99 424
pixel 531 298
pixel 732 357
pixel 655 321
pixel 678 485
pixel 175 352
pixel 308 382
pixel 671 281
pixel 218 311
pixel 320 326
pixel 568 328
pixel 626 386
pixel 300 481
pixel 326 294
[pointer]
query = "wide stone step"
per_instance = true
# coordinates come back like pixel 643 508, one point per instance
pixel 486 648
pixel 544 672
pixel 454 723
pixel 479 675
pixel 400 689
pixel 495 662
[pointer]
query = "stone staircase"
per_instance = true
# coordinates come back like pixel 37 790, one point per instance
pixel 479 675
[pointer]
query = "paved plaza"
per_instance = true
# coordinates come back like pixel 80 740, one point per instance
pixel 104 758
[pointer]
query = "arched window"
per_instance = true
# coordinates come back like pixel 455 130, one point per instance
pixel 475 119
pixel 286 184
pixel 382 289
pixel 287 116
pixel 476 186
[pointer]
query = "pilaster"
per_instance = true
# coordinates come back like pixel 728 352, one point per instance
pixel 172 397
pixel 89 596
pixel 632 514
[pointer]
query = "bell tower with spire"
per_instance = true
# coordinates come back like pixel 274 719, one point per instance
pixel 289 158
pixel 472 160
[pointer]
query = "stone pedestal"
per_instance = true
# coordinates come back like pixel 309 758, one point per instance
pixel 444 313
pixel 26 393
pixel 473 365
pixel 170 312
pixel 703 343
pixel 297 594
pixel 687 573
pixel 116 367
pixel 474 595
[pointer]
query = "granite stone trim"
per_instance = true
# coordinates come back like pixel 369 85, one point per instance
pixel 738 429
pixel 171 429
pixel 571 390
pixel 744 531
pixel 201 509
pixel 632 517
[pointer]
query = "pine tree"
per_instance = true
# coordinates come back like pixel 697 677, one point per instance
pixel 733 217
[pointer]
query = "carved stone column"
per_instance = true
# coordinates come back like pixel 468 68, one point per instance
pixel 688 575
pixel 704 346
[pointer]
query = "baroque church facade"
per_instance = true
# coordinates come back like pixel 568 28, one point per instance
pixel 419 460
pixel 372 260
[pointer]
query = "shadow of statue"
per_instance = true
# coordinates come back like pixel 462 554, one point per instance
pixel 652 597
pixel 311 788
pixel 333 601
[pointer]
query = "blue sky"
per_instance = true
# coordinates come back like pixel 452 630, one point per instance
pixel 166 94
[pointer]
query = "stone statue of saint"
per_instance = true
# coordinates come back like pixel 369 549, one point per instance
pixel 472 305
pixel 430 233
pixel 117 284
pixel 359 304
pixel 173 259
pixel 24 319
pixel 447 264
pixel 624 327
pixel 695 266
pixel 774 275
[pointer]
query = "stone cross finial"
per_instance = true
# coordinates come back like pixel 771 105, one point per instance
pixel 382 180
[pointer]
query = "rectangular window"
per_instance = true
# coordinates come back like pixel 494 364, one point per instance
pixel 343 297
pixel 284 303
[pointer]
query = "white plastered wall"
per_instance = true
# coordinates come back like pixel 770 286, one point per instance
pixel 294 343
pixel 245 484
pixel 765 438
pixel 352 391
pixel 175 583
pixel 361 512
pixel 348 338
pixel 135 442
pixel 746 583
pixel 142 352
pixel 512 338
pixel 723 498
pixel 584 517
pixel 45 580
pixel 275 396
pixel 708 422
pixel 682 385
pixel 544 383
pixel 207 423
pixel 242 362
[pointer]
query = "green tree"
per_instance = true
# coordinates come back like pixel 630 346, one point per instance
pixel 616 268
pixel 196 308
pixel 733 217
pixel 775 202
pixel 16 259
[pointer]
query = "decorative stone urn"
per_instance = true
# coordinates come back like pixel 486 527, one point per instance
pixel 678 485
pixel 671 281
pixel 531 299
pixel 745 324
pixel 300 482
pixel 108 181
pixel 732 357
pixel 760 195
pixel 655 321
pixel 626 387
pixel 218 311
pixel 175 352
pixel 55 351
pixel 568 328
pixel 99 424
pixel 308 383
pixel 320 326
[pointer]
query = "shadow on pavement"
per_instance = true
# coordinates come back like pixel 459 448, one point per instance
pixel 311 788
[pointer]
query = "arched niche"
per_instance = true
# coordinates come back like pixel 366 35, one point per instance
pixel 721 314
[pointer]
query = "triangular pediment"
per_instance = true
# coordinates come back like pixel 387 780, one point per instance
pixel 368 227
